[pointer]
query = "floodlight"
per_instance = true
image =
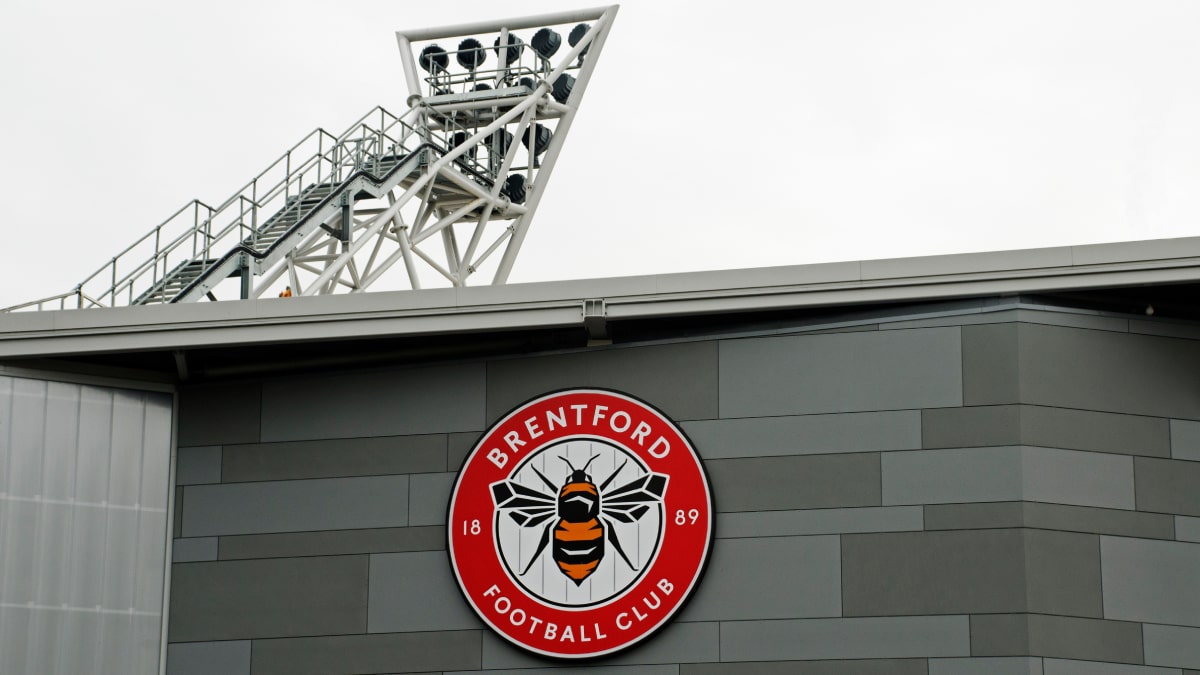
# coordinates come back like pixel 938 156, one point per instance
pixel 577 34
pixel 500 140
pixel 514 188
pixel 561 90
pixel 471 54
pixel 546 43
pixel 431 56
pixel 513 52
pixel 541 138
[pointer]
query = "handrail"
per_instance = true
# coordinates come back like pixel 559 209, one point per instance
pixel 205 235
pixel 319 157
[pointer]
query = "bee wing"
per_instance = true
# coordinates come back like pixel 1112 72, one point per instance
pixel 632 500
pixel 526 506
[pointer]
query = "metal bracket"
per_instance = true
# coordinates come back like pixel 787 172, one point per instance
pixel 595 321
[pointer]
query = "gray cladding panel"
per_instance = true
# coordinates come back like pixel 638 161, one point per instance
pixel 1105 371
pixel 847 667
pixel 971 571
pixel 1045 427
pixel 678 642
pixel 1187 529
pixel 990 364
pixel 1010 665
pixel 680 379
pixel 335 542
pixel 1049 517
pixel 933 573
pixel 1172 646
pixel 334 458
pixel 819 521
pixel 952 476
pixel 1086 639
pixel 296 506
pixel 1185 439
pixel 1008 474
pixel 416 592
pixel 1074 477
pixel 671 669
pixel 1096 431
pixel 213 414
pixel 390 402
pixel 1151 581
pixel 429 495
pixel 1072 667
pixel 458 446
pixel 988 515
pixel 231 657
pixel 799 482
pixel 750 579
pixel 1099 521
pixel 1000 635
pixel 245 599
pixel 806 434
pixel 843 372
pixel 194 550
pixel 971 427
pixel 356 654
pixel 194 466
pixel 1168 486
pixel 873 638
pixel 1062 571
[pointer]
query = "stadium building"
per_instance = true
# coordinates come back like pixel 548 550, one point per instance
pixel 950 465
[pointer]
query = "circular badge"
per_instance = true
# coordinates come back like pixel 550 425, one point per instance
pixel 580 523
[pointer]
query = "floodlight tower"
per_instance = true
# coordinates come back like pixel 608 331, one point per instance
pixel 498 107
pixel 489 107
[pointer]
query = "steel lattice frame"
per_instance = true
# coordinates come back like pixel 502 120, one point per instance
pixel 443 220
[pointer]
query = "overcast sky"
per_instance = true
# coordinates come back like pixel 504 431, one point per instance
pixel 712 136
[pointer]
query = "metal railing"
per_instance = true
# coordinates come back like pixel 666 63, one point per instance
pixel 196 231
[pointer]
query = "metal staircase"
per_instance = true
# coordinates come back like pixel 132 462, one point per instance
pixel 466 165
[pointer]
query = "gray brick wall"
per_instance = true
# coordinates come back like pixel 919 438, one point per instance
pixel 944 496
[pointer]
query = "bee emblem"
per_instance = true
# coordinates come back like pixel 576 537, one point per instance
pixel 578 517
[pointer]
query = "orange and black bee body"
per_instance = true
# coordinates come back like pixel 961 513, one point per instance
pixel 577 519
pixel 578 536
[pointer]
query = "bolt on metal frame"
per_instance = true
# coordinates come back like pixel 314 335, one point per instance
pixel 466 165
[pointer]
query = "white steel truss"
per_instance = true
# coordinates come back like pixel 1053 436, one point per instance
pixel 446 190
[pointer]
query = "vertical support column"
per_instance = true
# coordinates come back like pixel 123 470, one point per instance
pixel 244 272
pixel 347 203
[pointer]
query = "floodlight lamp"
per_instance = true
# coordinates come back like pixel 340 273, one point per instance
pixel 514 188
pixel 471 54
pixel 460 137
pixel 431 56
pixel 561 90
pixel 500 140
pixel 482 86
pixel 577 34
pixel 513 52
pixel 546 43
pixel 527 82
pixel 541 138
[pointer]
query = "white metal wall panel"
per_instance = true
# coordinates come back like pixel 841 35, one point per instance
pixel 84 485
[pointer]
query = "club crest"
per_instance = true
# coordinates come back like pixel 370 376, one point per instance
pixel 580 523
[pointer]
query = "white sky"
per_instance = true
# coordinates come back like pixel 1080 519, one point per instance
pixel 713 135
